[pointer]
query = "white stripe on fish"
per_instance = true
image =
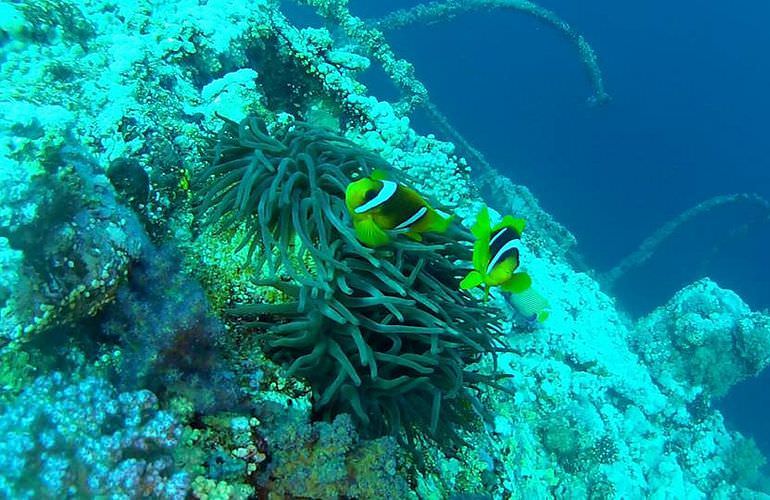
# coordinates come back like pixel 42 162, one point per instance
pixel 505 248
pixel 386 193
pixel 499 233
pixel 414 218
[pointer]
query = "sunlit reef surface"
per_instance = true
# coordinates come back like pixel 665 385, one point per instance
pixel 176 321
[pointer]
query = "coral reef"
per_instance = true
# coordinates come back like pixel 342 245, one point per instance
pixel 64 438
pixel 110 108
pixel 327 460
pixel 705 339
pixel 372 42
pixel 49 181
pixel 169 339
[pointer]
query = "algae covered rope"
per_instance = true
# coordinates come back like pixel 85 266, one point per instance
pixel 433 12
pixel 648 247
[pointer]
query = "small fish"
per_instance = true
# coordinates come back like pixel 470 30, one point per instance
pixel 530 304
pixel 378 205
pixel 496 255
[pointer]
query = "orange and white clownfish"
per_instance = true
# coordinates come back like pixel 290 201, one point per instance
pixel 496 255
pixel 378 205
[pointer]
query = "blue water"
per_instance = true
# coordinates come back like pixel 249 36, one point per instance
pixel 688 121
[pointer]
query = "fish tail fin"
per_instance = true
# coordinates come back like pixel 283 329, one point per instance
pixel 369 233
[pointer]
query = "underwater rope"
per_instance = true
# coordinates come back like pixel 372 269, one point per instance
pixel 651 244
pixel 432 12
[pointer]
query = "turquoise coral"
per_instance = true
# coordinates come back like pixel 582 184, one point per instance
pixel 704 337
pixel 90 236
pixel 81 437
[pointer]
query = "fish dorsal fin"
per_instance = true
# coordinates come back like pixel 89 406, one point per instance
pixel 481 231
pixel 379 174
pixel 482 226
pixel 514 223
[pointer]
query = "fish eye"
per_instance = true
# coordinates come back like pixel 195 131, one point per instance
pixel 369 195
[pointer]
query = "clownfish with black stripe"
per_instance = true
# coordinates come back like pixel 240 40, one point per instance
pixel 378 205
pixel 495 260
pixel 496 255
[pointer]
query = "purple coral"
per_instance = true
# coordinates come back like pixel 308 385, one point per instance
pixel 62 438
pixel 171 341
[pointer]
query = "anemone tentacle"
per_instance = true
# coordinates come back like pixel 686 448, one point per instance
pixel 382 334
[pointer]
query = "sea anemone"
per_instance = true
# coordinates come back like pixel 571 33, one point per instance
pixel 288 191
pixel 384 335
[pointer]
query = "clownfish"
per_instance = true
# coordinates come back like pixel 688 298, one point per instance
pixel 377 205
pixel 496 255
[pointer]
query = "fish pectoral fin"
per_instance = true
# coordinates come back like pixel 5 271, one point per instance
pixel 518 283
pixel 472 280
pixel 370 234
